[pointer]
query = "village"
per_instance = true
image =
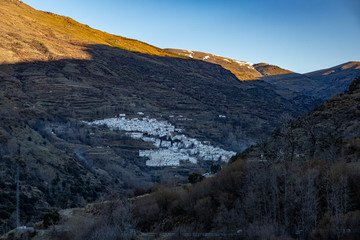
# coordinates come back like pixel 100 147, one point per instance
pixel 172 146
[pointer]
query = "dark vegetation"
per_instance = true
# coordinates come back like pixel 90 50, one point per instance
pixel 315 199
pixel 51 218
pixel 262 200
pixel 65 163
pixel 60 72
pixel 303 182
pixel 110 220
pixel 113 221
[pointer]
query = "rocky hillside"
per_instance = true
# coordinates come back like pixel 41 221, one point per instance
pixel 330 131
pixel 283 78
pixel 241 69
pixel 57 76
pixel 270 70
pixel 303 182
pixel 30 35
pixel 320 84
pixel 336 79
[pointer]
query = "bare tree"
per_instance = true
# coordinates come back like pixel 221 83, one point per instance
pixel 308 202
pixel 337 195
pixel 289 138
pixel 114 223
pixel 310 144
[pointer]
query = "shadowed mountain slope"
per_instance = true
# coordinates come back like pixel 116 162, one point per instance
pixel 330 131
pixel 306 176
pixel 57 73
pixel 336 79
pixel 43 103
pixel 283 78
pixel 320 84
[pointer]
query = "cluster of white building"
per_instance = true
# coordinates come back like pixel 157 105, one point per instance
pixel 135 126
pixel 172 147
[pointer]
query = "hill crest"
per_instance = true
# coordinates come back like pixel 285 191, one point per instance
pixel 241 69
pixel 62 73
pixel 46 36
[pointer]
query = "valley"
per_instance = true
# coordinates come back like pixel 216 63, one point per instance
pixel 88 117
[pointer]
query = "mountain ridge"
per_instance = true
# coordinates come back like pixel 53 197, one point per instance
pixel 335 79
pixel 241 69
pixel 319 84
pixel 268 70
pixel 33 27
pixel 306 174
pixel 57 74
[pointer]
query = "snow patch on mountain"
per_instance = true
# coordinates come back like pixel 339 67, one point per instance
pixel 190 53
pixel 247 64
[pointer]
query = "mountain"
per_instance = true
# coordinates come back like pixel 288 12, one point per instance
pixel 320 84
pixel 283 78
pixel 270 70
pixel 336 79
pixel 330 131
pixel 84 113
pixel 303 180
pixel 241 69
pixel 30 35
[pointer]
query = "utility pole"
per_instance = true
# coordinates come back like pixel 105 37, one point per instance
pixel 17 198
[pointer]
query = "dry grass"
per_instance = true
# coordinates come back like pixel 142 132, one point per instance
pixel 242 72
pixel 47 36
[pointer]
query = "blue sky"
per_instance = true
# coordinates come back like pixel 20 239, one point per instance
pixel 299 35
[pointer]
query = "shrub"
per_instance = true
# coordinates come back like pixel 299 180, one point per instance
pixel 51 218
pixel 195 178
